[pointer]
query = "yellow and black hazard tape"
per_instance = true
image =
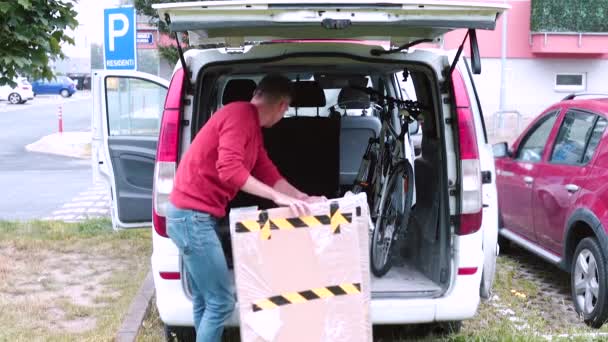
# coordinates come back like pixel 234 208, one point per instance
pixel 265 225
pixel 305 296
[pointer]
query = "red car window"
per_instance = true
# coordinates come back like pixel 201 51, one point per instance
pixel 532 147
pixel 598 131
pixel 572 138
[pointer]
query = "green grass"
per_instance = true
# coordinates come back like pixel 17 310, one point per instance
pixel 53 230
pixel 152 326
pixel 53 260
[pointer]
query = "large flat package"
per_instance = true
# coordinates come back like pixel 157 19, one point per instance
pixel 303 278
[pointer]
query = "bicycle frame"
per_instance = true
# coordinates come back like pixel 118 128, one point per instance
pixel 385 181
pixel 393 146
pixel 388 149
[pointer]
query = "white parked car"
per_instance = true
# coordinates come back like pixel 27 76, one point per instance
pixel 449 252
pixel 19 94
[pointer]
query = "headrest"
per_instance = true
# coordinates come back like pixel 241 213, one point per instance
pixel 338 81
pixel 307 94
pixel 238 90
pixel 350 98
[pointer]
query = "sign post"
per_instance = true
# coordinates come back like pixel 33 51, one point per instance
pixel 120 31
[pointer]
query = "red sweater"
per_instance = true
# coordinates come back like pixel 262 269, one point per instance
pixel 223 154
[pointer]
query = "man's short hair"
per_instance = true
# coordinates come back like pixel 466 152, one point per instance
pixel 274 87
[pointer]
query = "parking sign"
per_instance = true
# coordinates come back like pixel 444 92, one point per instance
pixel 120 52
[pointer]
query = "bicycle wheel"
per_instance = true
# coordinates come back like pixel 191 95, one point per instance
pixel 395 208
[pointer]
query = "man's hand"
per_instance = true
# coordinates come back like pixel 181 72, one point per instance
pixel 316 199
pixel 298 207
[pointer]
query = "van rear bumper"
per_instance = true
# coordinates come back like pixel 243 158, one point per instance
pixel 459 303
pixel 174 308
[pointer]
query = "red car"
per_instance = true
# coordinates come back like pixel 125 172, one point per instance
pixel 553 196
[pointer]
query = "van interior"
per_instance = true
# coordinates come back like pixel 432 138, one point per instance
pixel 329 123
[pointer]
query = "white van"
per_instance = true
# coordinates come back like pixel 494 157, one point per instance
pixel 142 127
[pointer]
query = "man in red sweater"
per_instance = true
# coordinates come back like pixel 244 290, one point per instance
pixel 226 156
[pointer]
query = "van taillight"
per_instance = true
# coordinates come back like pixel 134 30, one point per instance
pixel 170 275
pixel 470 168
pixel 166 152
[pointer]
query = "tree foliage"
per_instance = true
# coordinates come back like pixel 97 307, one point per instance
pixel 569 16
pixel 144 7
pixel 169 53
pixel 31 34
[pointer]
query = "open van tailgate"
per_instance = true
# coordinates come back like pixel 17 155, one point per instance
pixel 399 21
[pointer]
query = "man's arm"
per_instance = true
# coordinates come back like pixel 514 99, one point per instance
pixel 255 187
pixel 283 186
pixel 233 136
pixel 265 170
pixel 231 150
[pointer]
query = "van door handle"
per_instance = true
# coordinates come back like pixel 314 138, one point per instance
pixel 528 180
pixel 572 188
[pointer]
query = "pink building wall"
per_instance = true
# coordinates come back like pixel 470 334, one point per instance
pixel 533 61
pixel 522 44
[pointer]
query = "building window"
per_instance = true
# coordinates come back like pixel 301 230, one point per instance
pixel 570 82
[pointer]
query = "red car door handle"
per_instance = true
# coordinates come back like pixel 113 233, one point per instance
pixel 528 180
pixel 572 188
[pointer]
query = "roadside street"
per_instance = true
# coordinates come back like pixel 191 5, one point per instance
pixel 35 184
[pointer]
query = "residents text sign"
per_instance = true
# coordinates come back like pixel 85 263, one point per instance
pixel 120 28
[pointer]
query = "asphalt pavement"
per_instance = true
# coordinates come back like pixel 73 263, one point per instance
pixel 32 185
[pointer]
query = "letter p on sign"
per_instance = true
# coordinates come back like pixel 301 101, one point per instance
pixel 120 32
pixel 113 31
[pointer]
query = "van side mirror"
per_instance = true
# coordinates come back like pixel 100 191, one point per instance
pixel 501 150
pixel 413 127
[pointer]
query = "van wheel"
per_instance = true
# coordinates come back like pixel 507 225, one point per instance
pixel 64 93
pixel 180 334
pixel 589 283
pixel 14 98
pixel 445 328
pixel 452 327
pixel 504 245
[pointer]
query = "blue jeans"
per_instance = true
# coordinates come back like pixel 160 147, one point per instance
pixel 212 291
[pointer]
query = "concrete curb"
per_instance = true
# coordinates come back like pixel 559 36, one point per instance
pixel 68 144
pixel 137 311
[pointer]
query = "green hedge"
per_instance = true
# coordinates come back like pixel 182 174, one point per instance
pixel 569 16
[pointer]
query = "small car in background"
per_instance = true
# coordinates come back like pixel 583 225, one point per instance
pixel 60 85
pixel 552 196
pixel 19 94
